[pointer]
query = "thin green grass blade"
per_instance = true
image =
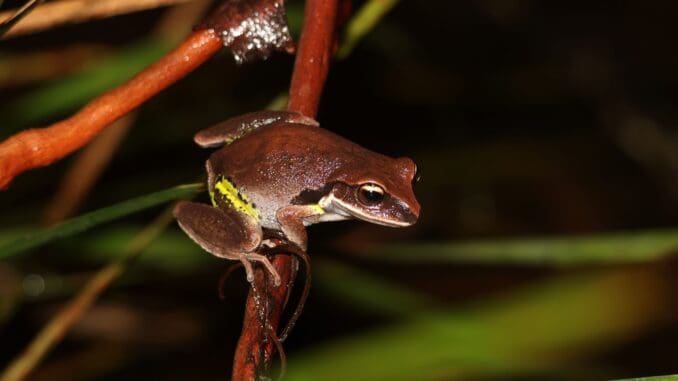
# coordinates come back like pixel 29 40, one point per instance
pixel 617 248
pixel 358 27
pixel 52 333
pixel 66 95
pixel 537 330
pixel 172 252
pixel 670 377
pixel 87 221
pixel 363 22
pixel 366 292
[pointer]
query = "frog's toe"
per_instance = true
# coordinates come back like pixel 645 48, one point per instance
pixel 254 257
pixel 249 271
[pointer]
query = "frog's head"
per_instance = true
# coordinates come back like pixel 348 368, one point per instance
pixel 379 192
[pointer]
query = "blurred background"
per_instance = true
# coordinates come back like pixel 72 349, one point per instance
pixel 546 136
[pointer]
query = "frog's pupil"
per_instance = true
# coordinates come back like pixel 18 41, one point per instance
pixel 371 194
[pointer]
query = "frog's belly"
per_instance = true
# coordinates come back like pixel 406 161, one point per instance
pixel 268 219
pixel 266 206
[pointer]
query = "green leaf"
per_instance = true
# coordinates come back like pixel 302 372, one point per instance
pixel 536 330
pixel 617 248
pixel 86 221
pixel 171 252
pixel 367 292
pixel 363 22
pixel 672 377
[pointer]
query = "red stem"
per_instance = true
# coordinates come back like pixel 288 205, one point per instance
pixel 39 147
pixel 255 347
pixel 313 56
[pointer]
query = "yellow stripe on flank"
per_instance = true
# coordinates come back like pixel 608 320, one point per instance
pixel 318 209
pixel 238 201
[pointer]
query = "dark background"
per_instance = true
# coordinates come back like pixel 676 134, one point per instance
pixel 527 118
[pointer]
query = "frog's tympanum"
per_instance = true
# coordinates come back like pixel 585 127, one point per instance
pixel 278 172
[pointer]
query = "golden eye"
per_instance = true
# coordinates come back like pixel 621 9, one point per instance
pixel 370 194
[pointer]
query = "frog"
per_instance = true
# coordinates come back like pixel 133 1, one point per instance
pixel 277 172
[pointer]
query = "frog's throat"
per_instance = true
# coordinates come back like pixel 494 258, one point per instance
pixel 236 199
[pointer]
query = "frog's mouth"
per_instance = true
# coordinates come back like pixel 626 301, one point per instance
pixel 396 215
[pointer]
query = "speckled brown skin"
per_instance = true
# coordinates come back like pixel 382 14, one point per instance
pixel 293 174
pixel 286 164
pixel 224 233
pixel 230 130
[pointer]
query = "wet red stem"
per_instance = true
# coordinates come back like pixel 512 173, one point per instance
pixel 39 147
pixel 255 348
pixel 316 46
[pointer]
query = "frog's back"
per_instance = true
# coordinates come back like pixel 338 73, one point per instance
pixel 284 150
pixel 274 164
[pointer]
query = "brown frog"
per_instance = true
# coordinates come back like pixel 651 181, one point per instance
pixel 278 172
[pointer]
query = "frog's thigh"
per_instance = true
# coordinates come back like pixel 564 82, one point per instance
pixel 223 233
pixel 232 129
pixel 291 219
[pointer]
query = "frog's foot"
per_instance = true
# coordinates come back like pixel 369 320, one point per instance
pixel 248 258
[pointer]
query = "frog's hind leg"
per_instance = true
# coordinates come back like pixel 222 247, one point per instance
pixel 224 233
pixel 232 129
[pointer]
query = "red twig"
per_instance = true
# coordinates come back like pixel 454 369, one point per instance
pixel 313 57
pixel 255 347
pixel 41 146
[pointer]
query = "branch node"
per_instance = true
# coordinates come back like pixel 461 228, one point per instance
pixel 252 29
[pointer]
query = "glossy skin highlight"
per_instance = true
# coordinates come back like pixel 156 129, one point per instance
pixel 280 173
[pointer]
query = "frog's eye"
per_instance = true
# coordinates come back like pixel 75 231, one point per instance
pixel 370 194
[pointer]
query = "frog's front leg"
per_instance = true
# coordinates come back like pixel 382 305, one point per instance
pixel 291 219
pixel 232 129
pixel 224 233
